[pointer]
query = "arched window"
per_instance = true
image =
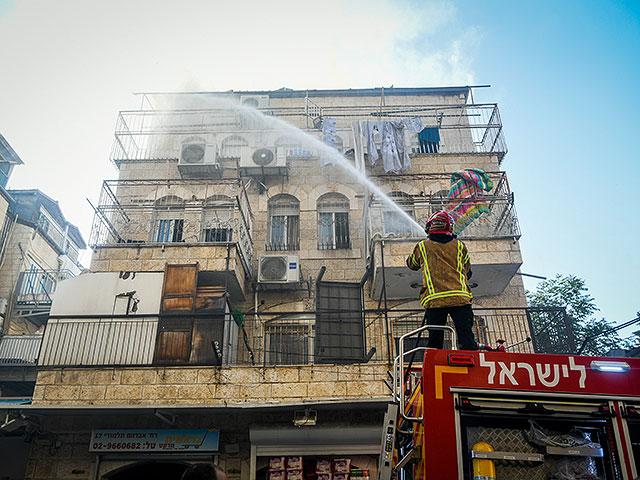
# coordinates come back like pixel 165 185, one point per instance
pixel 339 143
pixel 168 219
pixel 217 219
pixel 250 102
pixel 394 221
pixel 284 223
pixel 232 145
pixel 333 222
pixel 292 147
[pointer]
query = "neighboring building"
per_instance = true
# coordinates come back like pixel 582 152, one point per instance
pixel 8 159
pixel 41 249
pixel 38 247
pixel 242 281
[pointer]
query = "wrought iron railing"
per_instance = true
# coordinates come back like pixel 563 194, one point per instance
pixel 19 350
pixel 157 212
pixel 149 134
pixel 277 338
pixel 498 218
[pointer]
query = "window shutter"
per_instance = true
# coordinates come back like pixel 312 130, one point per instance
pixel 340 333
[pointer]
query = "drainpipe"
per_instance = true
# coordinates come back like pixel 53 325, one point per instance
pixel 384 293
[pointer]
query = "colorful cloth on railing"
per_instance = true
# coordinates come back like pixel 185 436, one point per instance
pixel 466 201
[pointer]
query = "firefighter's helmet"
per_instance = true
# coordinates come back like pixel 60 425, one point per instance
pixel 440 222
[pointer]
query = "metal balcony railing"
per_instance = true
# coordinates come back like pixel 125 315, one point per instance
pixel 35 286
pixel 279 339
pixel 149 134
pixel 19 350
pixel 165 212
pixel 498 220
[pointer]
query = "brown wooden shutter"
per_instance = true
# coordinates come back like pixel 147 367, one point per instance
pixel 179 288
pixel 175 331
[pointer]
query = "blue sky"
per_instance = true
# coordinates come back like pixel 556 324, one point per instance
pixel 564 74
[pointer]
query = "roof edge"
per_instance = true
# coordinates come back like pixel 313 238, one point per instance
pixel 350 92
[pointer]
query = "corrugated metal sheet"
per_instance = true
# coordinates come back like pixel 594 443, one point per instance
pixel 99 342
pixel 19 349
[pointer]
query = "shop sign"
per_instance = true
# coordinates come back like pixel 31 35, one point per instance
pixel 201 440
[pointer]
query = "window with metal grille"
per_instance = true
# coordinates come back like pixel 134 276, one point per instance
pixel 217 219
pixel 169 219
pixel 292 147
pixel 284 223
pixel 289 341
pixel 232 145
pixel 394 221
pixel 169 230
pixel 333 222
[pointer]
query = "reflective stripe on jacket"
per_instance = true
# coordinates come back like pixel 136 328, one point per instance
pixel 445 267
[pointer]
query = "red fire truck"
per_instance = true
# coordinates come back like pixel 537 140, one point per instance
pixel 501 415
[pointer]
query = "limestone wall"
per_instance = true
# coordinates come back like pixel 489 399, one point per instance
pixel 211 386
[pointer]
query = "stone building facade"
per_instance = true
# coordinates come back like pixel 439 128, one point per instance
pixel 246 279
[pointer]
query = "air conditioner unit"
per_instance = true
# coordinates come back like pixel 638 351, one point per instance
pixel 278 268
pixel 255 101
pixel 198 159
pixel 263 161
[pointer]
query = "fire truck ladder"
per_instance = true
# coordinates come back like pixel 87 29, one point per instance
pixel 394 415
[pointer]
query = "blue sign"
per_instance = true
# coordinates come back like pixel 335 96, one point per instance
pixel 201 440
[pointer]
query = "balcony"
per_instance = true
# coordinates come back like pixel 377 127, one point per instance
pixel 18 357
pixel 148 134
pixel 490 237
pixel 20 350
pixel 178 220
pixel 282 339
pixel 35 289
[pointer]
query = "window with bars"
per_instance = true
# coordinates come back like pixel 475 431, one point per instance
pixel 169 219
pixel 169 230
pixel 289 341
pixel 333 222
pixel 217 219
pixel 232 145
pixel 394 221
pixel 292 147
pixel 284 223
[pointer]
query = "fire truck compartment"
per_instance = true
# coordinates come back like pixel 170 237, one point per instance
pixel 631 414
pixel 536 438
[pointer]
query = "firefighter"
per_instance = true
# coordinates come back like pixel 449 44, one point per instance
pixel 444 261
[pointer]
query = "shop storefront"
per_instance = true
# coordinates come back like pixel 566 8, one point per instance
pixel 315 453
pixel 160 443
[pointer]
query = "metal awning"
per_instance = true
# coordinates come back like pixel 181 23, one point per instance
pixel 326 404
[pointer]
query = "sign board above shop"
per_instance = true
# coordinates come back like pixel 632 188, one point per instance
pixel 167 441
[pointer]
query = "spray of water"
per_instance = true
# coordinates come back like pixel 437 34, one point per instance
pixel 325 151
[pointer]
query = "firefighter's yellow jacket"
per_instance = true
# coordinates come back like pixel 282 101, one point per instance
pixel 445 270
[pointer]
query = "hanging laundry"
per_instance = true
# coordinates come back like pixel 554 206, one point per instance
pixel 390 159
pixel 414 125
pixel 328 137
pixel 403 161
pixel 466 201
pixel 395 156
pixel 429 139
pixel 368 132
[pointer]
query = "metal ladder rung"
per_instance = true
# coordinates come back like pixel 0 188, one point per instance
pixel 412 456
